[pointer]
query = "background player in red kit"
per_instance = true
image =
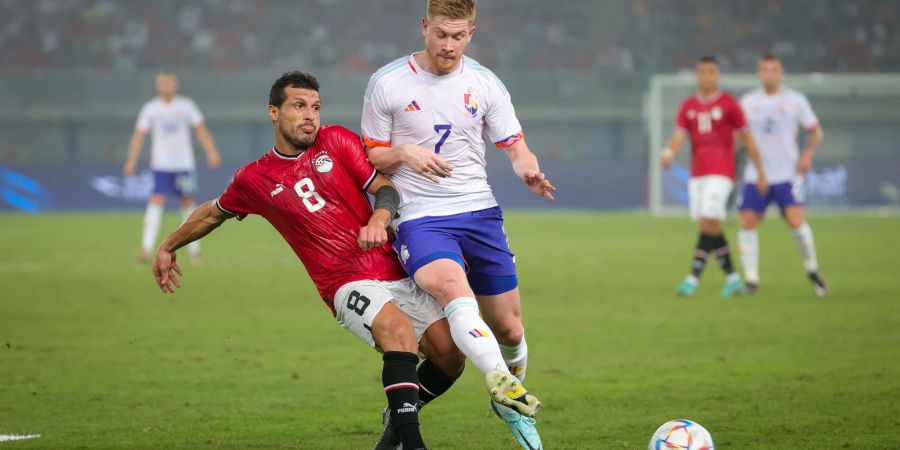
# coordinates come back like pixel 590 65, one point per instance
pixel 311 187
pixel 711 117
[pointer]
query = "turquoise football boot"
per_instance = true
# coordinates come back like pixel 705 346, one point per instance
pixel 687 287
pixel 733 286
pixel 522 427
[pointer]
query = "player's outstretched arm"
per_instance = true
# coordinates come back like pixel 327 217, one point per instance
pixel 213 159
pixel 421 160
pixel 525 165
pixel 202 221
pixel 387 202
pixel 753 152
pixel 135 146
pixel 676 143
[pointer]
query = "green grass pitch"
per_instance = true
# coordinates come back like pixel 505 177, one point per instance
pixel 245 355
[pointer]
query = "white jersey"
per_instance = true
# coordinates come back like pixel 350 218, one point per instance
pixel 775 121
pixel 449 114
pixel 170 126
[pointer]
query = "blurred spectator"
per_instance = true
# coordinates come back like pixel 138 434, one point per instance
pixel 610 36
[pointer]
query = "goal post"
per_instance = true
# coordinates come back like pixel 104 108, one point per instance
pixel 857 167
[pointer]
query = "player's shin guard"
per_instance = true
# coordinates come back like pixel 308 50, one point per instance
pixel 516 358
pixel 401 385
pixel 748 244
pixel 723 254
pixel 473 336
pixel 807 247
pixel 193 247
pixel 432 382
pixel 152 219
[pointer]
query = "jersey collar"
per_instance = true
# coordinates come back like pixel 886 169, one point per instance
pixel 710 99
pixel 422 73
pixel 283 156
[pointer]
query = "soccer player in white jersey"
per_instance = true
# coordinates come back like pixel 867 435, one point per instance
pixel 775 114
pixel 423 122
pixel 170 118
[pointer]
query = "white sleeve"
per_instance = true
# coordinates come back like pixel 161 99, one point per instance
pixel 195 117
pixel 503 128
pixel 143 121
pixel 745 103
pixel 377 118
pixel 807 116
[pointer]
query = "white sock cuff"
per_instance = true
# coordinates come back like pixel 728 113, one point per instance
pixel 153 208
pixel 748 234
pixel 460 305
pixel 514 352
pixel 802 230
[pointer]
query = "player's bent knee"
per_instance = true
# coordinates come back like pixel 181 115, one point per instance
pixel 392 330
pixel 443 285
pixel 748 220
pixel 710 226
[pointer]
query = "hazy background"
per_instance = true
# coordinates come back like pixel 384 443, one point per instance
pixel 75 72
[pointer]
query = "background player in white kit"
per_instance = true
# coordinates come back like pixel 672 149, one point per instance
pixel 424 118
pixel 170 118
pixel 775 114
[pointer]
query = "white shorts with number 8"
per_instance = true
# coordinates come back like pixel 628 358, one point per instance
pixel 357 303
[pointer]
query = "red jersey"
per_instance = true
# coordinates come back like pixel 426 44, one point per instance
pixel 711 125
pixel 317 201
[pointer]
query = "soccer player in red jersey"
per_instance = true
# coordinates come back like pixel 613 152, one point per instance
pixel 311 187
pixel 711 117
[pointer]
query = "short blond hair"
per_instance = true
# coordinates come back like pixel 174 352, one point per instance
pixel 452 9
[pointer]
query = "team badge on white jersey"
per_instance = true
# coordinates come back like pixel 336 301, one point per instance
pixel 471 102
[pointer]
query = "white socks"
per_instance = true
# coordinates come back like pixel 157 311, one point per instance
pixel 193 247
pixel 748 244
pixel 152 219
pixel 807 247
pixel 516 358
pixel 472 335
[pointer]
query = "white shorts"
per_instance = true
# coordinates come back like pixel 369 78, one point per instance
pixel 357 303
pixel 708 196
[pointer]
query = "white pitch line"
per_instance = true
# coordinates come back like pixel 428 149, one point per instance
pixel 17 437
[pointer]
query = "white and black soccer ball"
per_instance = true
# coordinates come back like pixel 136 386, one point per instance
pixel 681 434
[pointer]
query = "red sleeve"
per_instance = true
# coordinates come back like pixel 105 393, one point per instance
pixel 235 199
pixel 347 148
pixel 738 120
pixel 681 121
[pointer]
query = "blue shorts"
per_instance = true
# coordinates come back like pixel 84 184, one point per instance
pixel 783 194
pixel 178 184
pixel 475 240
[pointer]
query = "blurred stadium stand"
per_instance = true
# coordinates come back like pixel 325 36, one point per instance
pixel 75 73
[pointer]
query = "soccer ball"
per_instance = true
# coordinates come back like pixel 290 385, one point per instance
pixel 681 434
